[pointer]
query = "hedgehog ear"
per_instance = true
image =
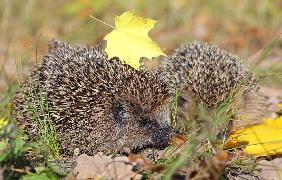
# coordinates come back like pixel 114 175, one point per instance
pixel 54 45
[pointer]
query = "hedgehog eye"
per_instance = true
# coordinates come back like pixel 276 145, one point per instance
pixel 145 122
pixel 181 101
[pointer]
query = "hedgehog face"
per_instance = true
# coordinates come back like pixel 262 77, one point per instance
pixel 138 128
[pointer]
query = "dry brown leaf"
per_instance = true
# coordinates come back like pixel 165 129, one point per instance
pixel 177 140
pixel 101 166
pixel 139 159
pixel 271 169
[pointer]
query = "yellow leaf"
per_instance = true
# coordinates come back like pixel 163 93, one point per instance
pixel 129 40
pixel 260 140
pixel 3 122
pixel 280 105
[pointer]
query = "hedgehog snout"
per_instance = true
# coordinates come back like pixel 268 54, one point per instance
pixel 160 138
pixel 159 132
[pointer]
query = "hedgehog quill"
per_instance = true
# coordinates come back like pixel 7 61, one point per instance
pixel 205 74
pixel 95 104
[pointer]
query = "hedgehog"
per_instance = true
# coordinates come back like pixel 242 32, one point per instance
pixel 95 104
pixel 205 75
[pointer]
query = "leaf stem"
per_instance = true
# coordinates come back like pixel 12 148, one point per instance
pixel 103 22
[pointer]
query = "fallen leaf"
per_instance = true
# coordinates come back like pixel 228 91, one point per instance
pixel 129 40
pixel 139 159
pixel 3 122
pixel 177 140
pixel 271 169
pixel 260 140
pixel 280 105
pixel 103 167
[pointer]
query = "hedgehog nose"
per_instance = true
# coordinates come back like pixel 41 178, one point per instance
pixel 161 138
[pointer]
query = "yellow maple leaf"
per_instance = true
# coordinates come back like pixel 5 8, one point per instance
pixel 260 140
pixel 280 105
pixel 129 40
pixel 3 122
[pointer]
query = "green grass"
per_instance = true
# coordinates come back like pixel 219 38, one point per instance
pixel 174 108
pixel 185 156
pixel 5 99
pixel 14 146
pixel 179 21
pixel 271 76
pixel 37 104
pixel 206 128
pixel 40 114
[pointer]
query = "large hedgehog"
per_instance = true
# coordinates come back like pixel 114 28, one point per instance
pixel 93 103
pixel 205 74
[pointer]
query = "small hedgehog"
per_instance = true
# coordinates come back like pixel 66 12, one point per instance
pixel 95 104
pixel 205 74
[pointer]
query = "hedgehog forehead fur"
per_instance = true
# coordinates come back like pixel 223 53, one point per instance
pixel 98 104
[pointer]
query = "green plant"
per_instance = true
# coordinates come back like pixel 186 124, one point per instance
pixel 12 151
pixel 45 174
pixel 184 157
pixel 173 108
pixel 39 109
